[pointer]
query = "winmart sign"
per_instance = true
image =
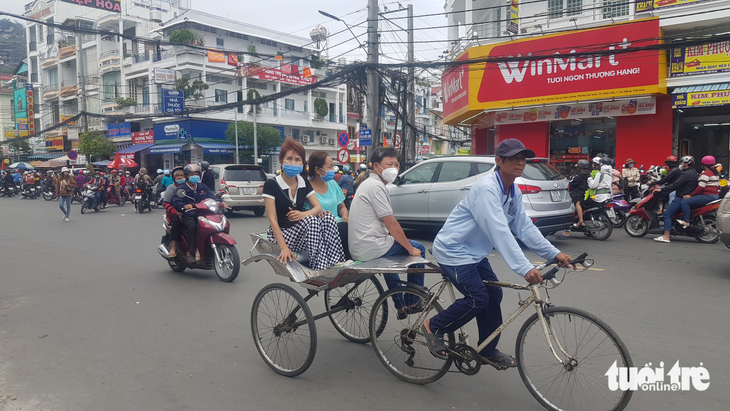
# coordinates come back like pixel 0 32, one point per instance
pixel 107 5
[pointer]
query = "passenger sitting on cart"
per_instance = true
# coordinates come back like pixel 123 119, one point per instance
pixel 292 227
pixel 373 231
pixel 488 217
pixel 329 193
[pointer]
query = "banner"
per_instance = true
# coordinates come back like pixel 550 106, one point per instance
pixel 650 5
pixel 143 137
pixel 577 111
pixel 119 130
pixel 72 134
pixel 216 56
pixel 164 76
pixel 233 59
pixel 455 89
pixel 701 99
pixel 30 107
pixel 271 74
pixel 108 5
pixel 702 59
pixel 514 16
pixel 65 117
pixel 54 143
pixel 12 133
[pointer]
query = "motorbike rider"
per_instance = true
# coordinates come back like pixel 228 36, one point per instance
pixel 128 183
pixel 708 189
pixel 158 181
pixel 16 176
pixel 98 182
pixel 684 185
pixel 346 183
pixel 671 176
pixel 9 181
pixel 144 182
pixel 103 187
pixel 167 179
pixel 29 181
pixel 207 178
pixel 173 216
pixel 195 192
pixel 578 186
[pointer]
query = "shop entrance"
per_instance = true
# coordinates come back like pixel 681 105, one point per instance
pixel 704 131
pixel 575 140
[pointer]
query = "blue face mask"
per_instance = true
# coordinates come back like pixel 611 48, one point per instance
pixel 329 176
pixel 180 181
pixel 194 179
pixel 292 170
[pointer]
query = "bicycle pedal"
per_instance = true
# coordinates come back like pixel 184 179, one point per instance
pixel 499 367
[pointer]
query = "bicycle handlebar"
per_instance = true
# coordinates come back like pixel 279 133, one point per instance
pixel 550 275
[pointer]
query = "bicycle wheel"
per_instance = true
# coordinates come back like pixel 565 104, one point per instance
pixel 579 382
pixel 283 330
pixel 354 323
pixel 401 346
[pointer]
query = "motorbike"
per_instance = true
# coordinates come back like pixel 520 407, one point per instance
pixel 30 192
pixel 620 208
pixel 643 218
pixel 89 201
pixel 114 199
pixel 8 190
pixel 597 221
pixel 49 192
pixel 217 248
pixel 141 200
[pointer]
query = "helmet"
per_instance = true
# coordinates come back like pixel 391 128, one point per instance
pixel 708 160
pixel 86 172
pixel 583 165
pixel 76 171
pixel 174 169
pixel 671 159
pixel 102 174
pixel 596 160
pixel 126 172
pixel 204 165
pixel 363 167
pixel 166 172
pixel 605 161
pixel 689 160
pixel 159 171
pixel 120 172
pixel 346 169
pixel 191 168
pixel 337 169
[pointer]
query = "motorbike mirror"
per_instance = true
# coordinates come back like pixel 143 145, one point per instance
pixel 181 193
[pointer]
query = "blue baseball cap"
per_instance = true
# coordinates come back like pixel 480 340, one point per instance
pixel 512 147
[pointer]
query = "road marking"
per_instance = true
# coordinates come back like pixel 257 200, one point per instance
pixel 597 269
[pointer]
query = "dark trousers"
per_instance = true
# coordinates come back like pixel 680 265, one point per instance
pixel 672 209
pixel 175 227
pixel 191 233
pixel 479 301
pixel 631 192
pixel 392 280
pixel 342 228
pixel 102 191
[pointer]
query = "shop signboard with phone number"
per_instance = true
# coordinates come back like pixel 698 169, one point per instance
pixel 628 107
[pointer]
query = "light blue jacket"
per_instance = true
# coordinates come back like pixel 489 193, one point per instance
pixel 485 219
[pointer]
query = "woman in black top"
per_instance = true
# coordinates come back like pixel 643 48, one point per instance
pixel 292 228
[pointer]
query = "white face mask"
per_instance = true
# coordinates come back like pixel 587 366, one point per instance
pixel 389 174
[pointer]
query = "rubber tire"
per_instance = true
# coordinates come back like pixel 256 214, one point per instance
pixel 621 218
pixel 607 222
pixel 636 234
pixel 310 322
pixel 711 220
pixel 83 207
pixel 576 312
pixel 176 266
pixel 259 211
pixel 236 263
pixel 48 196
pixel 356 313
pixel 139 207
pixel 374 335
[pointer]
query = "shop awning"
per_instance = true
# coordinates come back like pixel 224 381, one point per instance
pixel 700 89
pixel 217 148
pixel 135 148
pixel 167 148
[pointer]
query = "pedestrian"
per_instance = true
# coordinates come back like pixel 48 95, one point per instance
pixel 65 190
pixel 631 176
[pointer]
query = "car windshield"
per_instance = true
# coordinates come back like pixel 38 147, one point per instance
pixel 244 174
pixel 541 171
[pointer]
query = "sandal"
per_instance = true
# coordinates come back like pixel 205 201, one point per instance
pixel 435 343
pixel 415 308
pixel 661 240
pixel 501 359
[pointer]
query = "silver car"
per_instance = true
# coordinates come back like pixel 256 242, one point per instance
pixel 241 186
pixel 723 220
pixel 425 194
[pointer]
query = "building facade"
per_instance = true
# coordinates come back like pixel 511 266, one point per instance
pixel 601 95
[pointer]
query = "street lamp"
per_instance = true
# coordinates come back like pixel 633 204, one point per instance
pixel 335 18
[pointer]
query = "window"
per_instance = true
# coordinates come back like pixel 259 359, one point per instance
pixel 212 78
pixel 483 167
pixel 244 173
pixel 421 174
pixel 146 96
pixel 295 133
pixel 615 8
pixel 454 171
pixel 560 8
pixel 268 42
pixel 333 114
pixel 256 85
pixel 541 171
pixel 289 104
pixel 221 96
pixel 239 97
pixel 219 43
pixel 342 119
pixel 53 77
pixel 306 106
pixel 237 35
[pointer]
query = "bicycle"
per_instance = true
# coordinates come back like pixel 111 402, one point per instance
pixel 562 353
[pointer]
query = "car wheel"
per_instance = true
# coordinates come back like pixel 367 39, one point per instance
pixel 259 211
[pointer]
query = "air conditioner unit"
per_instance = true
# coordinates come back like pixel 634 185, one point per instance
pixel 305 139
pixel 332 141
pixel 323 140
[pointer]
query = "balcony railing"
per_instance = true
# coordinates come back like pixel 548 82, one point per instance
pixel 294 114
pixel 88 37
pixel 50 87
pixel 109 53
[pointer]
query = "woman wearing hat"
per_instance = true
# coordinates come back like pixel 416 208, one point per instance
pixel 631 176
pixel 65 186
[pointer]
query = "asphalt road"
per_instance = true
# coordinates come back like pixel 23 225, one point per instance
pixel 91 318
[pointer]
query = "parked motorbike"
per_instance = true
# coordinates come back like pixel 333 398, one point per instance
pixel 620 208
pixel 89 201
pixel 644 218
pixel 142 201
pixel 49 192
pixel 597 221
pixel 217 248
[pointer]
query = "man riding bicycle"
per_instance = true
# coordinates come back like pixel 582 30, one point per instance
pixel 488 217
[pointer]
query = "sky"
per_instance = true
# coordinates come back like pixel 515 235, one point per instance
pixel 297 17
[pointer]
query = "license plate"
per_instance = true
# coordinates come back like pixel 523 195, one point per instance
pixel 611 213
pixel 32 189
pixel 248 191
pixel 137 197
pixel 555 195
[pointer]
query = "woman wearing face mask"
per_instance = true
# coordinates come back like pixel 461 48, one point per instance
pixel 173 216
pixel 65 186
pixel 292 227
pixel 322 174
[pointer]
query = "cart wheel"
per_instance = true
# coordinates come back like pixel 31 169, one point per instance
pixel 283 330
pixel 354 322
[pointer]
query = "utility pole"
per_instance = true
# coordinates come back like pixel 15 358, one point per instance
pixel 372 113
pixel 235 121
pixel 255 137
pixel 411 89
pixel 82 80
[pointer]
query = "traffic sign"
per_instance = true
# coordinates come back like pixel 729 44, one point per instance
pixel 72 155
pixel 343 155
pixel 397 140
pixel 366 137
pixel 173 101
pixel 343 138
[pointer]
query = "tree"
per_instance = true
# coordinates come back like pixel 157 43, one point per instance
pixel 191 91
pixel 20 145
pixel 185 36
pixel 96 146
pixel 253 94
pixel 320 107
pixel 126 102
pixel 268 138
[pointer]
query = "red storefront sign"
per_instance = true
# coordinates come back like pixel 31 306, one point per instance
pixel 456 89
pixel 271 74
pixel 143 137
